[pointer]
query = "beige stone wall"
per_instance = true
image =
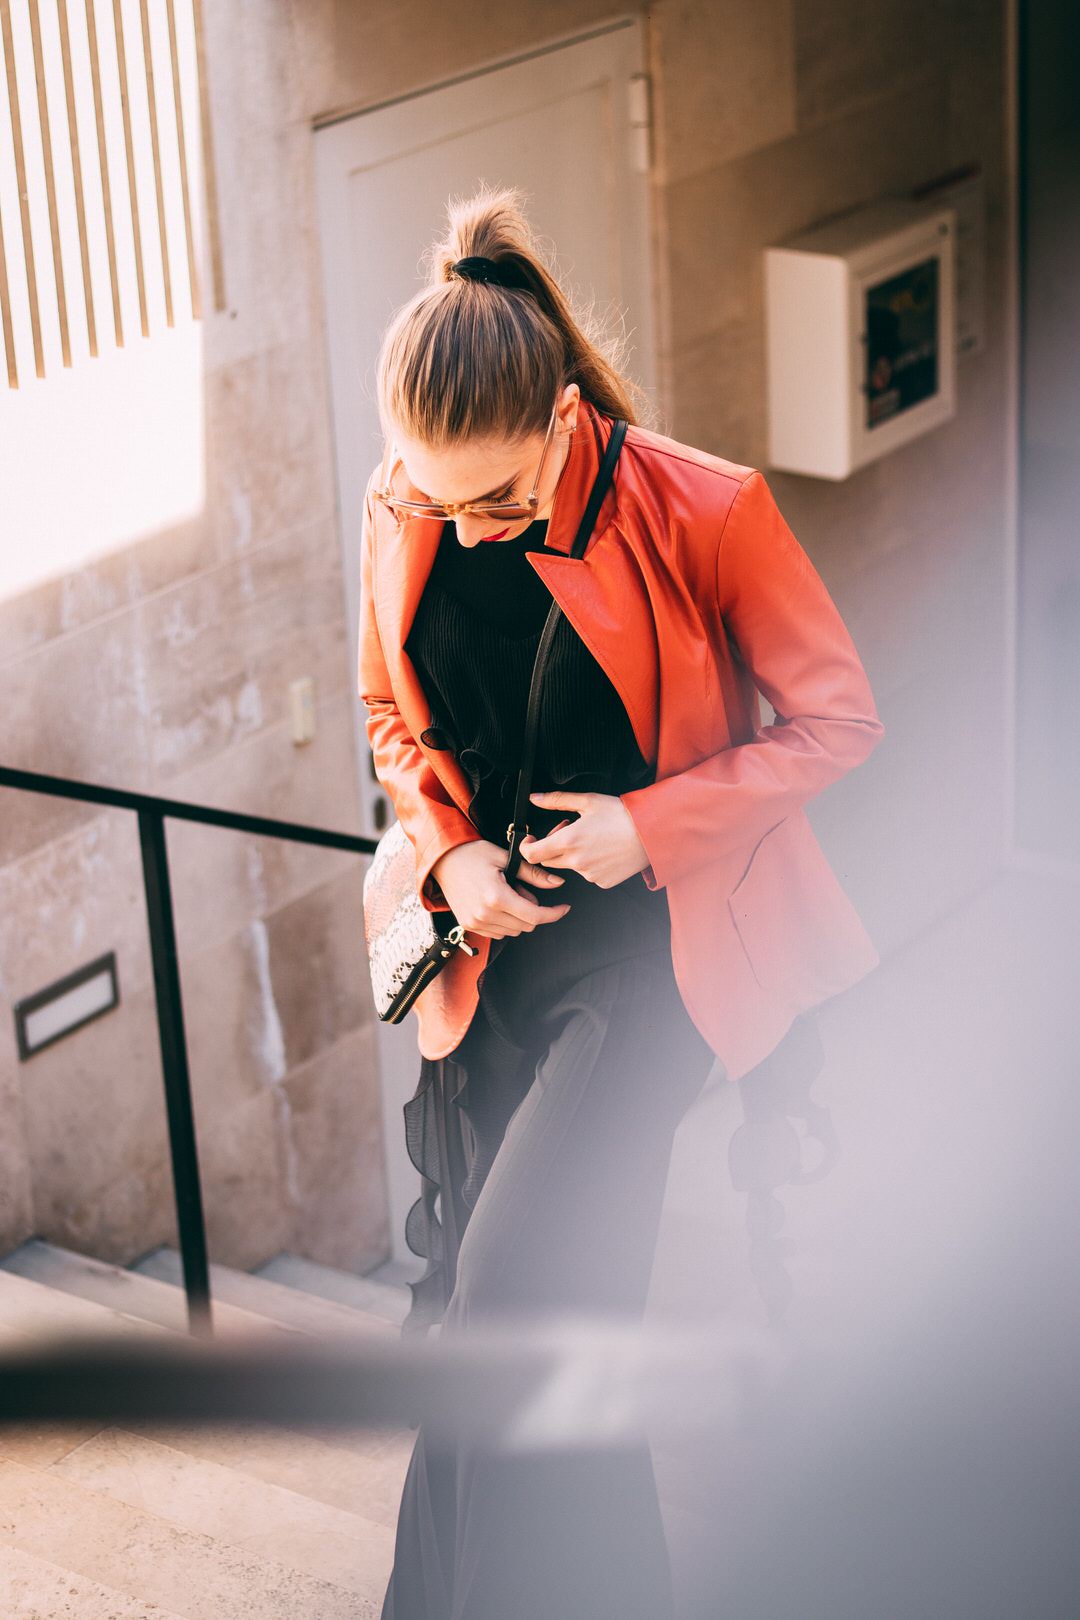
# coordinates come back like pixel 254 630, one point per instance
pixel 807 107
pixel 166 666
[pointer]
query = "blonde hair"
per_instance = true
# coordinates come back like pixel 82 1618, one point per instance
pixel 465 359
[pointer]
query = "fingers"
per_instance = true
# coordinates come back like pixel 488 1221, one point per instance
pixel 501 908
pixel 535 850
pixel 553 913
pixel 539 875
pixel 522 909
pixel 515 912
pixel 508 925
pixel 543 914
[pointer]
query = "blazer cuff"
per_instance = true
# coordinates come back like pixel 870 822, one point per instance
pixel 431 895
pixel 640 806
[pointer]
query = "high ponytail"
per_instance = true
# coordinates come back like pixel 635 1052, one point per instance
pixel 465 359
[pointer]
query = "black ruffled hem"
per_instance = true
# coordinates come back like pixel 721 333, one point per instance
pixel 454 1126
pixel 433 1148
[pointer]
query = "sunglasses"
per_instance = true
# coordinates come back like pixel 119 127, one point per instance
pixel 504 507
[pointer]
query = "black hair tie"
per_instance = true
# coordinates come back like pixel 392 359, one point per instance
pixel 478 268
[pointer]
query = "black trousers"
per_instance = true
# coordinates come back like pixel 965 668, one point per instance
pixel 549 1134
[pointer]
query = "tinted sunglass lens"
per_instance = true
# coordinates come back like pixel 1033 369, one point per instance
pixel 512 513
pixel 405 509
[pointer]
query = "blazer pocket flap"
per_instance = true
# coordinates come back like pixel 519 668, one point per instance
pixel 801 934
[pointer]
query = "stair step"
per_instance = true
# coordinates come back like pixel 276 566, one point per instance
pixel 31 1311
pixel 135 1552
pixel 388 1300
pixel 276 1523
pixel 263 1296
pixel 398 1273
pixel 31 1588
pixel 362 1473
pixel 156 1521
pixel 81 1276
pixel 34 1309
pixel 39 1446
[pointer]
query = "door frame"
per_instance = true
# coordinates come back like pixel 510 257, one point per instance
pixel 398 1056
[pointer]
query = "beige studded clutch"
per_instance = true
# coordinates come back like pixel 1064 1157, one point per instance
pixel 406 944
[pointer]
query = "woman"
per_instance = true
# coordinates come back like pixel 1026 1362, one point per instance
pixel 672 909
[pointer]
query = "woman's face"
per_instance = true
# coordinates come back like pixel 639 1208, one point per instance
pixel 486 469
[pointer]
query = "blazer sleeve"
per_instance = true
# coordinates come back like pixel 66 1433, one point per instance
pixel 430 819
pixel 800 655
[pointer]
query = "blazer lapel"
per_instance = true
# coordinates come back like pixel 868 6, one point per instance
pixel 603 598
pixel 602 594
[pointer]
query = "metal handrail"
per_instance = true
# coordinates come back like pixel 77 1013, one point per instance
pixel 152 809
pixel 561 1380
pixel 64 787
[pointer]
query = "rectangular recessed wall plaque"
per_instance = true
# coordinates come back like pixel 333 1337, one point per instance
pixel 50 1014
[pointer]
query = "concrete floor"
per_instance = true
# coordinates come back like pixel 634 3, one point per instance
pixel 923 1459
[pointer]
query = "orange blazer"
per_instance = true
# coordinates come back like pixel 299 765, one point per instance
pixel 693 595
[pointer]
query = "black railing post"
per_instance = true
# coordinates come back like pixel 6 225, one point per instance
pixel 152 810
pixel 191 1226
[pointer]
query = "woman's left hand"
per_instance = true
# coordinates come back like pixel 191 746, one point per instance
pixel 602 844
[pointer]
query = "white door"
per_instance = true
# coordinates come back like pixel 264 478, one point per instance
pixel 566 125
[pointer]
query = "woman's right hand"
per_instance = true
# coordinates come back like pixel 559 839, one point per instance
pixel 470 876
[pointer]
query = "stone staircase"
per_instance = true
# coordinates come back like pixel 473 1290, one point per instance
pixel 211 1523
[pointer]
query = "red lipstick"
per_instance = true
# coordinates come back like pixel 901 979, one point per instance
pixel 496 536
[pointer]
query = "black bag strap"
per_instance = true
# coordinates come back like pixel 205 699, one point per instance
pixel 517 828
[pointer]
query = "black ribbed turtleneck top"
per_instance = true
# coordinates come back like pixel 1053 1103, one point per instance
pixel 473 642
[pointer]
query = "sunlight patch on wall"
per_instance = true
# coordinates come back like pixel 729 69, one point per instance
pixel 109 257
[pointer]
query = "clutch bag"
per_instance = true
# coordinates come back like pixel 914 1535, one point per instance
pixel 405 943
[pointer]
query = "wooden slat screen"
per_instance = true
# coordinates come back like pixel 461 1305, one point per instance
pixel 104 122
